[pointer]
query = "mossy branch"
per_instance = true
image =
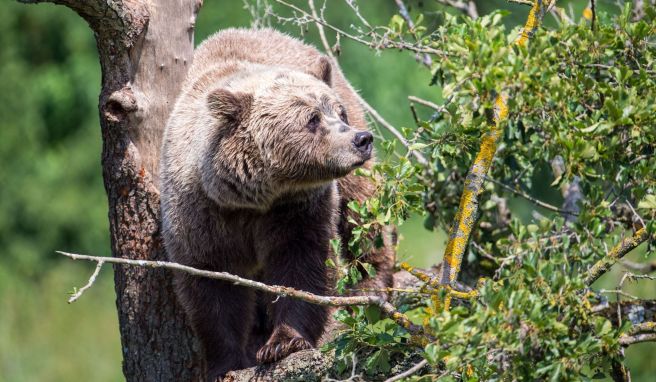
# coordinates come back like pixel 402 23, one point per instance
pixel 618 252
pixel 468 208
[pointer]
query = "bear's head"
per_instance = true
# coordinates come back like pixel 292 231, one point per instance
pixel 278 130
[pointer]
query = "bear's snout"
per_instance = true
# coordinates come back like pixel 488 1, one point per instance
pixel 363 142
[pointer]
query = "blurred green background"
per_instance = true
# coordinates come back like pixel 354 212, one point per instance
pixel 52 196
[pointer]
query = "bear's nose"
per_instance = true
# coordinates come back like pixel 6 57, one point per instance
pixel 363 142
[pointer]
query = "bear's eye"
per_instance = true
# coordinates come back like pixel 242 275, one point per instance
pixel 343 116
pixel 314 122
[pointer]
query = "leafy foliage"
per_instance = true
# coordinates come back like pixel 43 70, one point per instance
pixel 582 120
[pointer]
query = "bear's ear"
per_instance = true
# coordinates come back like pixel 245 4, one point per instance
pixel 233 106
pixel 323 70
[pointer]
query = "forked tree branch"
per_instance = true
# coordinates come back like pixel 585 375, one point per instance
pixel 388 309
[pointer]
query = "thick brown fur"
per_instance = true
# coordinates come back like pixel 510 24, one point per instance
pixel 257 165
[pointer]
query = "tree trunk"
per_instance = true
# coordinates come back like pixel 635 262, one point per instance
pixel 145 49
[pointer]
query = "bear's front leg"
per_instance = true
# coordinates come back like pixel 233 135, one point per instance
pixel 297 325
pixel 221 314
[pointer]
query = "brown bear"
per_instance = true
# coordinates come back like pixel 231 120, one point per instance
pixel 255 177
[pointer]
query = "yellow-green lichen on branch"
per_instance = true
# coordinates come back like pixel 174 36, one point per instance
pixel 622 248
pixel 468 207
pixel 533 20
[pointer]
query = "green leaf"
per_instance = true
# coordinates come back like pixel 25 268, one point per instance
pixel 371 271
pixel 417 146
pixel 648 202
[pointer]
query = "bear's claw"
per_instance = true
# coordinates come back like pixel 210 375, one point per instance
pixel 277 349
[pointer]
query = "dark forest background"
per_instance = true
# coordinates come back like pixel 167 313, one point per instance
pixel 52 195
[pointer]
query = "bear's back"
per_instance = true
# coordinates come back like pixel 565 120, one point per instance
pixel 271 48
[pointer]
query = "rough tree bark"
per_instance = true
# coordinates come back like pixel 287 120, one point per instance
pixel 145 49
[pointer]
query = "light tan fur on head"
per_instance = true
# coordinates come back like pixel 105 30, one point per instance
pixel 274 131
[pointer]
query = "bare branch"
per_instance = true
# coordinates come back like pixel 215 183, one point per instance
pixel 468 208
pixel 377 41
pixel 408 372
pixel 426 103
pixel 636 216
pixel 92 279
pixel 638 9
pixel 411 25
pixel 561 16
pixel 322 32
pixel 305 365
pixel 283 291
pixel 620 250
pixel 619 292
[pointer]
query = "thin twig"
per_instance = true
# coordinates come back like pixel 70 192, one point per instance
pixel 619 292
pixel 635 214
pixel 374 114
pixel 561 16
pixel 531 199
pixel 354 7
pixel 322 32
pixel 411 26
pixel 639 267
pixel 387 308
pixel 92 279
pixel 426 103
pixel 408 372
pixel 384 42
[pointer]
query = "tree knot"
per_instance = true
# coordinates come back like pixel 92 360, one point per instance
pixel 119 104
